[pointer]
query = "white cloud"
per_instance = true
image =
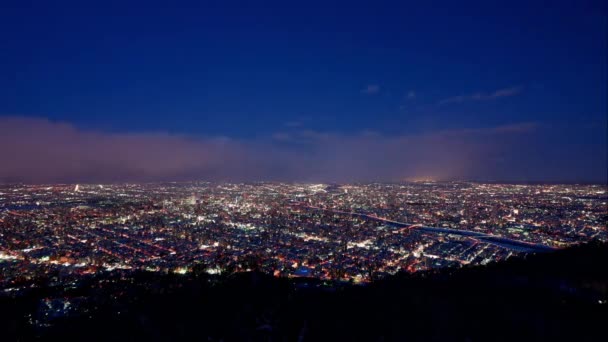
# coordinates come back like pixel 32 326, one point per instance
pixel 479 96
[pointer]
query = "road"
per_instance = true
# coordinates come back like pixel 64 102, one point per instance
pixel 516 245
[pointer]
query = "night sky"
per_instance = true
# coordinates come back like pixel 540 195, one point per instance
pixel 303 91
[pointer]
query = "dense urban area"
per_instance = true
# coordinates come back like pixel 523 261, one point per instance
pixel 61 236
pixel 349 232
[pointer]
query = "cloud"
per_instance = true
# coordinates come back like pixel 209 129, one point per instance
pixel 520 127
pixel 282 136
pixel 410 95
pixel 293 124
pixel 43 151
pixel 371 89
pixel 39 150
pixel 505 92
pixel 301 137
pixel 483 96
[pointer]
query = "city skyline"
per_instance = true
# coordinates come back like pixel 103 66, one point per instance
pixel 330 232
pixel 87 255
pixel 241 170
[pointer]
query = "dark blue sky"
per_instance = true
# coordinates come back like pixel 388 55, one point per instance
pixel 287 75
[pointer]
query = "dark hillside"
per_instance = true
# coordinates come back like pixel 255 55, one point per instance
pixel 553 296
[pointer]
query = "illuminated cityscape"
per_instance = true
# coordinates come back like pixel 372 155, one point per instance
pixel 354 232
pixel 303 171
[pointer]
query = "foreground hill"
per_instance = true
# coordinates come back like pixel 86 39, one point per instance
pixel 552 296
